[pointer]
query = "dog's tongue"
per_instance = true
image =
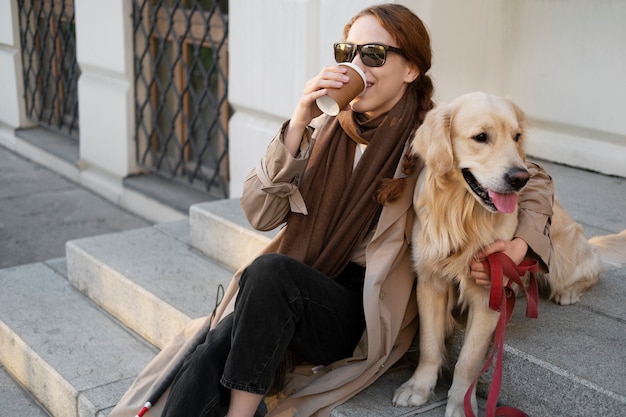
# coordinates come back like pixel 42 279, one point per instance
pixel 505 203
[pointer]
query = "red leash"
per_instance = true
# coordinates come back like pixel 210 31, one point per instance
pixel 502 299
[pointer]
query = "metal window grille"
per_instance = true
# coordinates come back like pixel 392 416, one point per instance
pixel 182 112
pixel 48 38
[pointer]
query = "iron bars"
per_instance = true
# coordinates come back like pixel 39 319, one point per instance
pixel 48 38
pixel 181 70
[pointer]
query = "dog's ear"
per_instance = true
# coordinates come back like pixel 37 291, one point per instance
pixel 521 116
pixel 432 140
pixel 523 124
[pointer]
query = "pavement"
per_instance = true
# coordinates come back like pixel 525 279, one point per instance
pixel 40 211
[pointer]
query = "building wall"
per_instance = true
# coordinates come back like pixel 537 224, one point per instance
pixel 105 87
pixel 562 61
pixel 104 51
pixel 12 110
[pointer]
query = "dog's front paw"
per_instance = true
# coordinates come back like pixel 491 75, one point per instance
pixel 456 398
pixel 411 394
pixel 454 410
pixel 567 297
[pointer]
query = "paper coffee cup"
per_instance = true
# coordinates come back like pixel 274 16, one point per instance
pixel 338 98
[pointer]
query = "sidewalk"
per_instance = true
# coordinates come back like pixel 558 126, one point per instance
pixel 39 212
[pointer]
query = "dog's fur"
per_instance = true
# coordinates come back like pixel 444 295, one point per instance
pixel 481 136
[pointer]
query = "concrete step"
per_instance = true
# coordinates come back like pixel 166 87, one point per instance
pixel 220 231
pixel 569 362
pixel 150 279
pixel 146 279
pixel 16 402
pixel 124 270
pixel 75 359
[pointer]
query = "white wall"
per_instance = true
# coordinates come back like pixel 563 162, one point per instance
pixel 467 43
pixel 104 51
pixel 12 110
pixel 562 61
pixel 275 46
pixel 573 79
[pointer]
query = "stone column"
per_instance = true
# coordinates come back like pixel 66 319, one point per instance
pixel 12 109
pixel 105 88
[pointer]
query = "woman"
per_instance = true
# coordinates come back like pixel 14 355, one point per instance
pixel 334 290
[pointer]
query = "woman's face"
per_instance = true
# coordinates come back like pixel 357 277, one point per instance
pixel 385 85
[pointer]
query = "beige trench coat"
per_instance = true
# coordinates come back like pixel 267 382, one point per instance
pixel 390 306
pixel 389 296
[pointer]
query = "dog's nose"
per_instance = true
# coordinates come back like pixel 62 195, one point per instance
pixel 517 178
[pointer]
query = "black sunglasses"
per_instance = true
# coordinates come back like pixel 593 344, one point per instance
pixel 372 54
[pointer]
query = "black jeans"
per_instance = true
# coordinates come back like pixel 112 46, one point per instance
pixel 282 304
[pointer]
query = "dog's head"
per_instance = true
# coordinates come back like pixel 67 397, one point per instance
pixel 478 140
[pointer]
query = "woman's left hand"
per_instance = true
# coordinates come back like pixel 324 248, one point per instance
pixel 515 249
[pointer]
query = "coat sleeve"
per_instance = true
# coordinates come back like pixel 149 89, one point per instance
pixel 270 190
pixel 535 214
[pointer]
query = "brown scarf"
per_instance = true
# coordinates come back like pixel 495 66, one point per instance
pixel 341 201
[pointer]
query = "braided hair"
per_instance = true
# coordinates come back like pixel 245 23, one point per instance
pixel 413 39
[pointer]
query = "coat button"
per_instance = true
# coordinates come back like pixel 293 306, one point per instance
pixel 381 295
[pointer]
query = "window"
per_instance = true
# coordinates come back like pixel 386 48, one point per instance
pixel 181 63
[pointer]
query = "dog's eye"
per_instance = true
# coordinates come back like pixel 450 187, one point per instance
pixel 517 137
pixel 481 138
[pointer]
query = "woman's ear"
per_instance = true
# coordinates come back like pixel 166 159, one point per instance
pixel 412 73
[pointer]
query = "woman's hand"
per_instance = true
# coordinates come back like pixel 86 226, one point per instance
pixel 306 109
pixel 515 249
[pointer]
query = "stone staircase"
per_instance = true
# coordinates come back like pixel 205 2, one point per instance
pixel 76 331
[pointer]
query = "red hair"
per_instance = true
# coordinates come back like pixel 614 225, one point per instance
pixel 405 28
pixel 411 36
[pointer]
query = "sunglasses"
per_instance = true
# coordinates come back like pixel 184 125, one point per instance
pixel 372 54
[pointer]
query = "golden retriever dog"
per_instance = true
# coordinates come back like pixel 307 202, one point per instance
pixel 465 199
